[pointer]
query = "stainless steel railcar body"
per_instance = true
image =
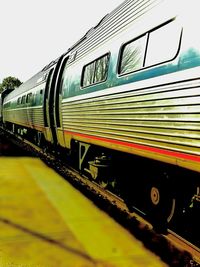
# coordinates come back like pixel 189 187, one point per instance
pixel 26 111
pixel 151 110
pixel 23 108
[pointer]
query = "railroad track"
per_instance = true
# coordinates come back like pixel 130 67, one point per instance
pixel 170 247
pixel 184 244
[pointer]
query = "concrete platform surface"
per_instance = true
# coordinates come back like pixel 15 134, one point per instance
pixel 45 222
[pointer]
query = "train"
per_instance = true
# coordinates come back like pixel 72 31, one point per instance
pixel 122 106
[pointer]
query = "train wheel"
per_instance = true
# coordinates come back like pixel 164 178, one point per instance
pixel 161 203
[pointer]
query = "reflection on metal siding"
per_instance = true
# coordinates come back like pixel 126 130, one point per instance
pixel 32 117
pixel 168 118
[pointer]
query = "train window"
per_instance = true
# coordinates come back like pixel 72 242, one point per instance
pixel 155 47
pixel 41 97
pixel 101 68
pixel 33 98
pixel 23 100
pixel 132 55
pixel 163 44
pixel 19 100
pixel 95 71
pixel 28 98
pixel 88 74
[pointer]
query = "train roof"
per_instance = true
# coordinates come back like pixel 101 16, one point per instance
pixel 32 82
pixel 111 24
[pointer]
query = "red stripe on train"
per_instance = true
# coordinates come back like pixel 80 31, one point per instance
pixel 141 147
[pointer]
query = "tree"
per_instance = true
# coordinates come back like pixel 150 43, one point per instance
pixel 10 83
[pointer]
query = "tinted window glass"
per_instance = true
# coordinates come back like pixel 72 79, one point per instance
pixel 132 57
pixel 101 69
pixel 96 71
pixel 23 101
pixel 162 46
pixel 19 101
pixel 28 98
pixel 88 74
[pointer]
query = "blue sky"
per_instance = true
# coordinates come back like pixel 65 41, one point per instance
pixel 34 32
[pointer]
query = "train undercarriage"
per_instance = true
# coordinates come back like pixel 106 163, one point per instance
pixel 159 191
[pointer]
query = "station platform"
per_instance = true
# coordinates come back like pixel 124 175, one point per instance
pixel 46 222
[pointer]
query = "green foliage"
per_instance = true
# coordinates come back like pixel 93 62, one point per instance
pixel 10 83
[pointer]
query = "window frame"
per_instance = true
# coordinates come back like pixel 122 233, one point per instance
pixel 93 78
pixel 23 100
pixel 148 33
pixel 19 100
pixel 121 51
pixel 29 98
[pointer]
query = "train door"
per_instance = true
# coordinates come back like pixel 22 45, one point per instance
pixel 47 124
pixel 52 104
pixel 58 103
pixel 49 104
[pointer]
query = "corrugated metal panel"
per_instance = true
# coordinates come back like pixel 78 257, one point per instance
pixel 167 119
pixel 33 117
pixel 126 13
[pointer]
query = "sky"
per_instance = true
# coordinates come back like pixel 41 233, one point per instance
pixel 35 32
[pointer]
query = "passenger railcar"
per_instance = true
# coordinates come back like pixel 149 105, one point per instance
pixel 123 105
